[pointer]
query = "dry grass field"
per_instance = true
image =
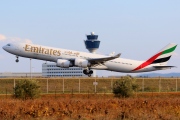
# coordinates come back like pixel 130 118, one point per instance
pixel 142 106
pixel 84 104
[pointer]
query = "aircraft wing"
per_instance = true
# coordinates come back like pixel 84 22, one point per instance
pixel 102 60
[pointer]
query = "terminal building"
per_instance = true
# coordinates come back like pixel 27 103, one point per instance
pixel 51 70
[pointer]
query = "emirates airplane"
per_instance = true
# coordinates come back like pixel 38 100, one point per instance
pixel 68 58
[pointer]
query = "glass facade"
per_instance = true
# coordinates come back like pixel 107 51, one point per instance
pixel 92 37
pixel 51 70
pixel 92 44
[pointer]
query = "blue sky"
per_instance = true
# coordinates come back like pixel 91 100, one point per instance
pixel 137 29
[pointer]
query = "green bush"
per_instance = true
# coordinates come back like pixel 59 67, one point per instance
pixel 125 87
pixel 27 89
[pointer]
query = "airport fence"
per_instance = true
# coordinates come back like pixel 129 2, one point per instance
pixel 91 85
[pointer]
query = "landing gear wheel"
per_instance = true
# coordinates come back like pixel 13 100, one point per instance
pixel 88 72
pixel 17 60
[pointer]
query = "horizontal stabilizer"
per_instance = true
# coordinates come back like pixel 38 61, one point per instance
pixel 163 67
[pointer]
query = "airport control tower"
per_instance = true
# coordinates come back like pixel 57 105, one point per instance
pixel 92 44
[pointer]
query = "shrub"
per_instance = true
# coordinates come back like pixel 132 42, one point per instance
pixel 27 89
pixel 124 87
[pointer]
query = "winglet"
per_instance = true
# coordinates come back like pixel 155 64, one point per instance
pixel 117 56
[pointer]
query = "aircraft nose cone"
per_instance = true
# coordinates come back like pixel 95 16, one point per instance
pixel 3 47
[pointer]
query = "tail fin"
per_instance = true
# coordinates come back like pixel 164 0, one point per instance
pixel 161 57
pixel 164 55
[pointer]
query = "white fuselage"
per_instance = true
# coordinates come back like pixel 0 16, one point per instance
pixel 53 54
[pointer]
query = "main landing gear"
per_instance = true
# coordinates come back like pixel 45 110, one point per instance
pixel 88 72
pixel 17 60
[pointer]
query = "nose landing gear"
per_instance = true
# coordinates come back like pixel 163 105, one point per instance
pixel 17 60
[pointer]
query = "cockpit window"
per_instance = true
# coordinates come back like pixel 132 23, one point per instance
pixel 8 45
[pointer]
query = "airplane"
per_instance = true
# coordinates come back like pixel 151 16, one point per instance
pixel 68 58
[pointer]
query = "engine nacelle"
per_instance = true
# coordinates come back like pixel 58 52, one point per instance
pixel 63 63
pixel 82 63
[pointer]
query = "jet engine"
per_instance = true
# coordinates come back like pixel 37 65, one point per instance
pixel 82 63
pixel 63 63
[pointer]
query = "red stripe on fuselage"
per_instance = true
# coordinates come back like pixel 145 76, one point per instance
pixel 149 61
